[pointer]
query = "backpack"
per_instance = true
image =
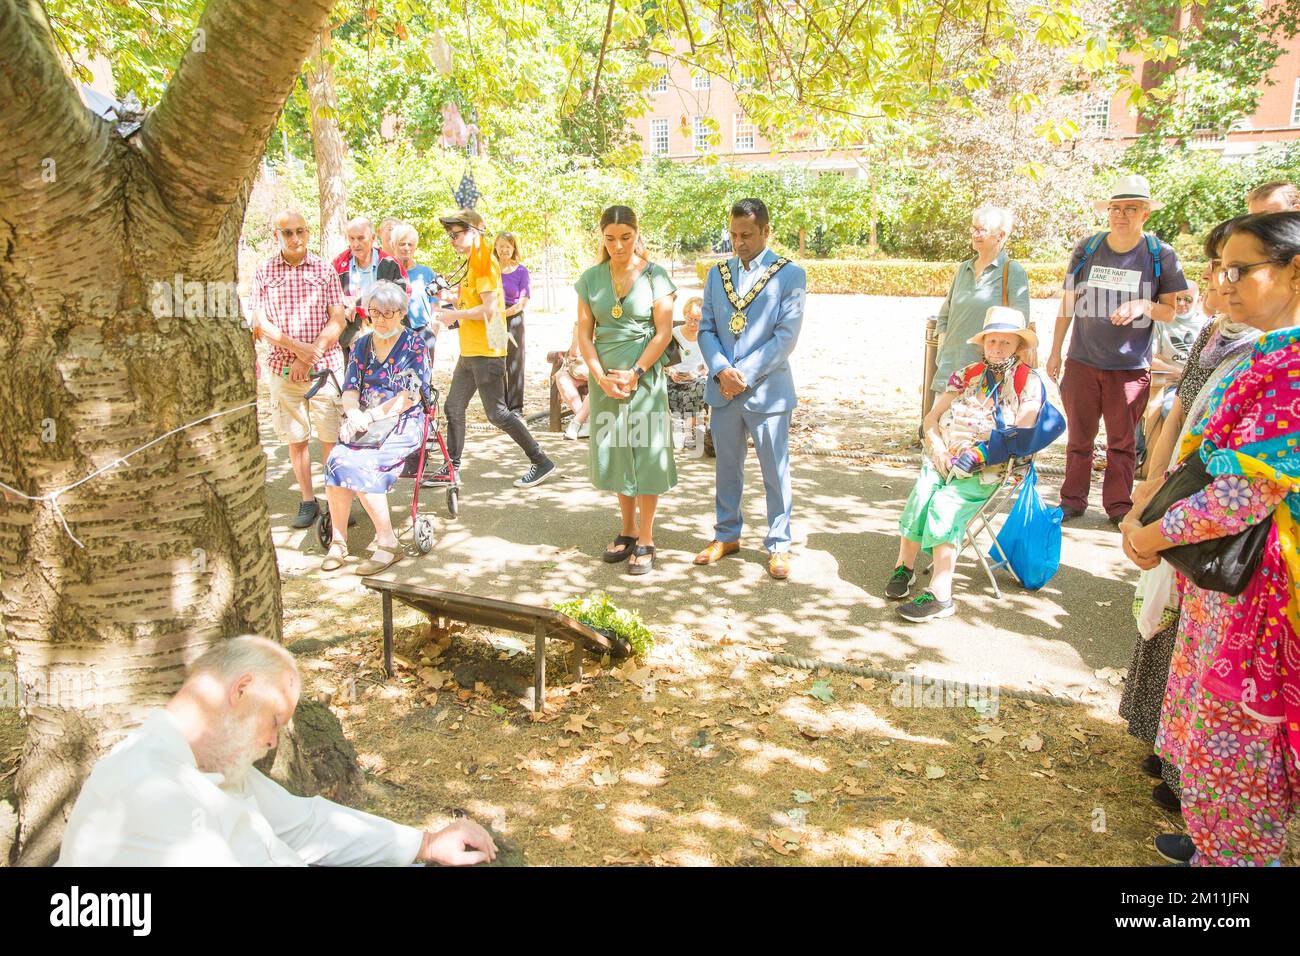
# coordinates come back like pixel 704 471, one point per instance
pixel 1153 247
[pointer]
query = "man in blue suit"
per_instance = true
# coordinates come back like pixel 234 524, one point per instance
pixel 753 307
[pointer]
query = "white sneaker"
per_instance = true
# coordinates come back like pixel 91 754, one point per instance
pixel 584 431
pixel 571 429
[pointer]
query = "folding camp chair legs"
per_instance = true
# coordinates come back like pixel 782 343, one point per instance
pixel 981 522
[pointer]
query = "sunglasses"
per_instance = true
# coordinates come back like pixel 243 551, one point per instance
pixel 1124 210
pixel 290 233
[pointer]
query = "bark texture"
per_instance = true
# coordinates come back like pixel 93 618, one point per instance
pixel 178 552
pixel 327 142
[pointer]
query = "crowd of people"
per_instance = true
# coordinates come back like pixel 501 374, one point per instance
pixel 1179 372
pixel 369 324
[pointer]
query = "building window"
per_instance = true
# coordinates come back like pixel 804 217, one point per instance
pixel 744 134
pixel 661 84
pixel 1096 113
pixel 700 81
pixel 700 135
pixel 1295 104
pixel 659 137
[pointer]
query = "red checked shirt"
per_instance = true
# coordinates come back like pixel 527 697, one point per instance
pixel 296 299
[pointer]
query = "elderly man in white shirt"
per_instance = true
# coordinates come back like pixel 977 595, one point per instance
pixel 181 789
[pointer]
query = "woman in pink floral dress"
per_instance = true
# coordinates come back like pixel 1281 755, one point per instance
pixel 1231 717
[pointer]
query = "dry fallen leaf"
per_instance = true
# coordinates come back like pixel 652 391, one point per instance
pixel 1033 743
pixel 933 772
pixel 578 723
pixel 434 678
pixel 784 841
pixel 604 778
pixel 992 734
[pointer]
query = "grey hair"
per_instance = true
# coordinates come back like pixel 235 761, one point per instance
pixel 385 296
pixel 401 229
pixel 360 222
pixel 994 217
pixel 246 654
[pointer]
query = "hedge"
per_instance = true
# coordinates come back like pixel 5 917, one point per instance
pixel 902 276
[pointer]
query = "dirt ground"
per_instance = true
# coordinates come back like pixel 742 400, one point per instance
pixel 702 755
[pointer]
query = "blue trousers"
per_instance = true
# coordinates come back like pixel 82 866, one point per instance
pixel 731 427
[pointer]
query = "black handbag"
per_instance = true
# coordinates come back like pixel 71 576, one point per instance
pixel 1219 564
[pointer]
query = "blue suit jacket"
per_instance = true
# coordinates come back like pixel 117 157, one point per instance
pixel 762 350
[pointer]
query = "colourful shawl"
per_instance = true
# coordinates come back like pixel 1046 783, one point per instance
pixel 1253 432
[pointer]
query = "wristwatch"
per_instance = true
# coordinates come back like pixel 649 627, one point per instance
pixel 638 371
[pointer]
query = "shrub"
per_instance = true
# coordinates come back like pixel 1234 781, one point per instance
pixel 602 614
pixel 901 276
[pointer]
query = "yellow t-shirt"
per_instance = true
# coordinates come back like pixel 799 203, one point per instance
pixel 473 332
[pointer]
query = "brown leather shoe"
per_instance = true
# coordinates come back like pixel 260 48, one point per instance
pixel 778 565
pixel 716 551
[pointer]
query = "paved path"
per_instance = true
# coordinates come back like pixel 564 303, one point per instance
pixel 543 545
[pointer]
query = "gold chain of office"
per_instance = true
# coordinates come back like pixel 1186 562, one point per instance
pixel 738 318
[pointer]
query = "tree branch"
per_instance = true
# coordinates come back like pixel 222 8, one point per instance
pixel 49 154
pixel 604 45
pixel 205 138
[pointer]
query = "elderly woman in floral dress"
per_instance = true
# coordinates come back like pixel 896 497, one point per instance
pixel 385 374
pixel 1231 718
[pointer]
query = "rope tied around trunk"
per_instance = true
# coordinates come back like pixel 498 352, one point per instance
pixel 53 496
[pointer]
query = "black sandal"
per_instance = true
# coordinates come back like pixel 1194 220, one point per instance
pixel 614 557
pixel 640 552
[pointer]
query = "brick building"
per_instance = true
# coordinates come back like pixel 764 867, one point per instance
pixel 676 126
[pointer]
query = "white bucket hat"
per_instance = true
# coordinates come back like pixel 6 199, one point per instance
pixel 1129 187
pixel 1001 318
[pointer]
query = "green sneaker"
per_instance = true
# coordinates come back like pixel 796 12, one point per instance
pixel 900 583
pixel 927 606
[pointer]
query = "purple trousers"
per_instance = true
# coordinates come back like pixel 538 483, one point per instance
pixel 1089 396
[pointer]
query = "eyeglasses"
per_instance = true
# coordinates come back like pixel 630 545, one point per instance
pixel 456 233
pixel 290 233
pixel 1233 274
pixel 1127 211
pixel 386 313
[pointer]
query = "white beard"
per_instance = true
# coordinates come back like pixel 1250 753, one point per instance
pixel 235 750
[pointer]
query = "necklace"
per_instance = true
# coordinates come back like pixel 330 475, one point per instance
pixel 617 311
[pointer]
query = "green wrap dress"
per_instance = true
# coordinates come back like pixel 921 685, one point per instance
pixel 631 446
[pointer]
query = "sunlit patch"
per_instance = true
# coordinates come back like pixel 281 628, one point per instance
pixel 765 755
pixel 649 775
pixel 713 820
pixel 744 791
pixel 850 719
pixel 684 857
pixel 638 811
pixel 900 842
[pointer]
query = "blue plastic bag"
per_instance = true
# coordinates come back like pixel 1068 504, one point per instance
pixel 1031 537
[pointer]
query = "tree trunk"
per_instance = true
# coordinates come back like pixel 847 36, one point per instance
pixel 177 545
pixel 101 357
pixel 327 142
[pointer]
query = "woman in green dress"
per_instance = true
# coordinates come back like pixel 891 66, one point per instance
pixel 625 321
